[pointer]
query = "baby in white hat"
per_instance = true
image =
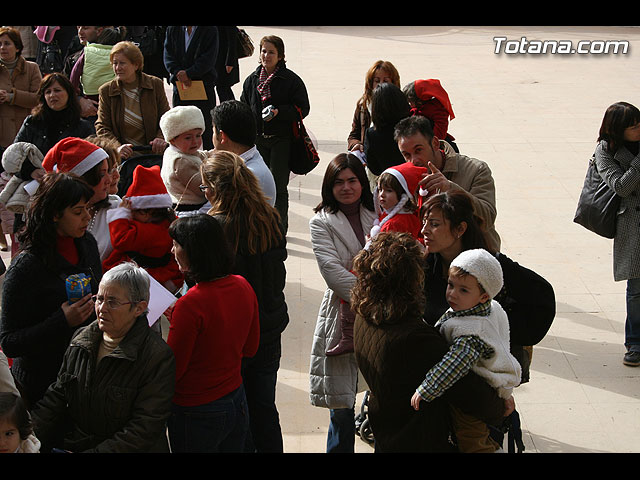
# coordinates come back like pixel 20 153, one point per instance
pixel 477 329
pixel 182 127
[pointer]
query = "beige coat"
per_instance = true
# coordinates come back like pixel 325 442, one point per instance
pixel 153 104
pixel 24 83
pixel 474 176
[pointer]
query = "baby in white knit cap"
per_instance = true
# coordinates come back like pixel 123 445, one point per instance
pixel 477 330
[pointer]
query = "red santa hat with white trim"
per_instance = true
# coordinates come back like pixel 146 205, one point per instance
pixel 409 176
pixel 73 155
pixel 147 189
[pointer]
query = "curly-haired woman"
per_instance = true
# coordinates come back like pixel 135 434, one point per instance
pixel 394 348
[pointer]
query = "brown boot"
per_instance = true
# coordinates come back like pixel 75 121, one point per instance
pixel 346 318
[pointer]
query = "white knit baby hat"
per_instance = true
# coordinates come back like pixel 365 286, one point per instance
pixel 180 119
pixel 482 265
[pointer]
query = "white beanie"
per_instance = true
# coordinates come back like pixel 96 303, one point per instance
pixel 180 119
pixel 484 266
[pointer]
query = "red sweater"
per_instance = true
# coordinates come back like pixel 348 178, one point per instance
pixel 212 328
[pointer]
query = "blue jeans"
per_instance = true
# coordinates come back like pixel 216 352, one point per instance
pixel 632 324
pixel 219 426
pixel 341 437
pixel 260 375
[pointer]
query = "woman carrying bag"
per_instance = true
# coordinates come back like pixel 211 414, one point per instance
pixel 273 92
pixel 617 158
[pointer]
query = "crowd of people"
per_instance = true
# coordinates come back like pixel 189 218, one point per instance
pixel 114 195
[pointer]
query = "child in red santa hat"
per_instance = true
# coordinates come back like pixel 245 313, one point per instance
pixel 139 229
pixel 397 200
pixel 429 99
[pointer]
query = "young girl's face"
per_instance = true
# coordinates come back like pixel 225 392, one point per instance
pixel 9 437
pixel 463 292
pixel 387 197
pixel 188 142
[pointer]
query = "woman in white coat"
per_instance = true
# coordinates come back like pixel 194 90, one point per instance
pixel 342 220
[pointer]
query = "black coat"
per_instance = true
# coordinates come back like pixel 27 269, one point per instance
pixel 227 56
pixel 46 136
pixel 381 149
pixel 266 273
pixel 287 91
pixel 33 328
pixel 199 60
pixel 116 406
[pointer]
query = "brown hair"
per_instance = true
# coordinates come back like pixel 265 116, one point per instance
pixel 236 195
pixel 15 37
pixel 389 284
pixel 456 207
pixel 339 163
pixel 368 79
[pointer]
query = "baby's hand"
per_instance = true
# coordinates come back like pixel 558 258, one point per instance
pixel 125 203
pixel 415 401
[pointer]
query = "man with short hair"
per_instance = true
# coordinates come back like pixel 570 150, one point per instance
pixel 449 170
pixel 234 130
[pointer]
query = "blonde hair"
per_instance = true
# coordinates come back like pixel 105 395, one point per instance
pixel 234 193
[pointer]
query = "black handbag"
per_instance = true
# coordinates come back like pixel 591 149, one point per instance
pixel 304 156
pixel 598 205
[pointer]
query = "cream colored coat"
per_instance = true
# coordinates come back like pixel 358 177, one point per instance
pixel 334 381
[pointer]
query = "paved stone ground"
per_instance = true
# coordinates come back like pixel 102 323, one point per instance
pixel 534 119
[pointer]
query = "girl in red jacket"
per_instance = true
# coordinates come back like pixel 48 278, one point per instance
pixel 139 229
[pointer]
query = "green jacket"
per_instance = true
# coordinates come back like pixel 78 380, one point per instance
pixel 120 405
pixel 97 69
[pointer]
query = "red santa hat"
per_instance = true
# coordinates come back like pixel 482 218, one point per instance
pixel 409 177
pixel 73 155
pixel 147 189
pixel 431 87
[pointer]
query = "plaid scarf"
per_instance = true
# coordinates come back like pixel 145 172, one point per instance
pixel 482 309
pixel 264 83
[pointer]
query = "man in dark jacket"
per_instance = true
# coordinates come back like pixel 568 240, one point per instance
pixel 190 55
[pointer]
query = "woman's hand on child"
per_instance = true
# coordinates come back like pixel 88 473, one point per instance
pixel 415 401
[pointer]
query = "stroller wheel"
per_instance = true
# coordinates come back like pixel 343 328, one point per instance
pixel 365 431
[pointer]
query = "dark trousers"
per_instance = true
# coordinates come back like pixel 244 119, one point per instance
pixel 276 151
pixel 220 426
pixel 260 375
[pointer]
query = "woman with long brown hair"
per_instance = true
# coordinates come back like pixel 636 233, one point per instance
pixel 256 236
pixel 381 71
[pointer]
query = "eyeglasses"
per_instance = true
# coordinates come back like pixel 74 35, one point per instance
pixel 203 187
pixel 110 302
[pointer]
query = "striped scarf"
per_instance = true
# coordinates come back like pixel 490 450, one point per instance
pixel 264 84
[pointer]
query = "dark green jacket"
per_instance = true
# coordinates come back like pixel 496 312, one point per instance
pixel 119 405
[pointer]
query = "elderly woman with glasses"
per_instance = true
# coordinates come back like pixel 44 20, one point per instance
pixel 114 390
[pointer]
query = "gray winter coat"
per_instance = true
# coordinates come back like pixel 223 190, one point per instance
pixel 621 172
